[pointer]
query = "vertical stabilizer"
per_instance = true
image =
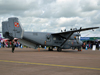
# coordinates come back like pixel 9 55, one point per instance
pixel 12 28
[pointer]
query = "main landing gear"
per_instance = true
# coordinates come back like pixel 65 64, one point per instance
pixel 59 49
pixel 50 49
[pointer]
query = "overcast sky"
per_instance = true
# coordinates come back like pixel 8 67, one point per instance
pixel 52 15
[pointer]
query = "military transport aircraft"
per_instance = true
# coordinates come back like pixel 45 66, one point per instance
pixel 63 40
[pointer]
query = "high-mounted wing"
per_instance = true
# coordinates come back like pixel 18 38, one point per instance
pixel 68 34
pixel 79 30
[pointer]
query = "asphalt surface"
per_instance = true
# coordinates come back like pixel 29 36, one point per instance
pixel 28 61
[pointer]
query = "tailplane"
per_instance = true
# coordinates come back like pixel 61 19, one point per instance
pixel 12 28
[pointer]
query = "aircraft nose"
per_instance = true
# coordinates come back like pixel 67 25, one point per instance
pixel 80 42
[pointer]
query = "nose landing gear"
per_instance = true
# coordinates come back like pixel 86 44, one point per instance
pixel 79 49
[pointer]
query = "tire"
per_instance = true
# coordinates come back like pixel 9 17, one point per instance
pixel 59 49
pixel 50 49
pixel 79 49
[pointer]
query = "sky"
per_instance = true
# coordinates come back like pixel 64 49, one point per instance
pixel 53 15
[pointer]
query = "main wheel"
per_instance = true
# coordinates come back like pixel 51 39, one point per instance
pixel 59 49
pixel 50 49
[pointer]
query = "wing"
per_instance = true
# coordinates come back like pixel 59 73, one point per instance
pixel 67 35
pixel 79 30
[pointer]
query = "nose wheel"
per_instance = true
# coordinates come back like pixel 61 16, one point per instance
pixel 79 49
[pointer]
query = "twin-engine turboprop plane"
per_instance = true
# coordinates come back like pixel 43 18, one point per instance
pixel 64 40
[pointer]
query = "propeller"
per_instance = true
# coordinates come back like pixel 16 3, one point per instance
pixel 71 29
pixel 80 29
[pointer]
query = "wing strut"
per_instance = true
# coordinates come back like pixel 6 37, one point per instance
pixel 66 39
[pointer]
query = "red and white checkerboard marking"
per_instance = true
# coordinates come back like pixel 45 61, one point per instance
pixel 16 24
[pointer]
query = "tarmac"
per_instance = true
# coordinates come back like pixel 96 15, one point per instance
pixel 28 61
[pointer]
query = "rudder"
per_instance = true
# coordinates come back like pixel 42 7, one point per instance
pixel 12 28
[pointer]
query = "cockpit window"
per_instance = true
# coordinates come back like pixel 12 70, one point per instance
pixel 76 37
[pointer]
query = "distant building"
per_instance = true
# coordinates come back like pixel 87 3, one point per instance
pixel 90 37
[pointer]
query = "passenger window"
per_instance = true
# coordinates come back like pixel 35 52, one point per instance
pixel 54 38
